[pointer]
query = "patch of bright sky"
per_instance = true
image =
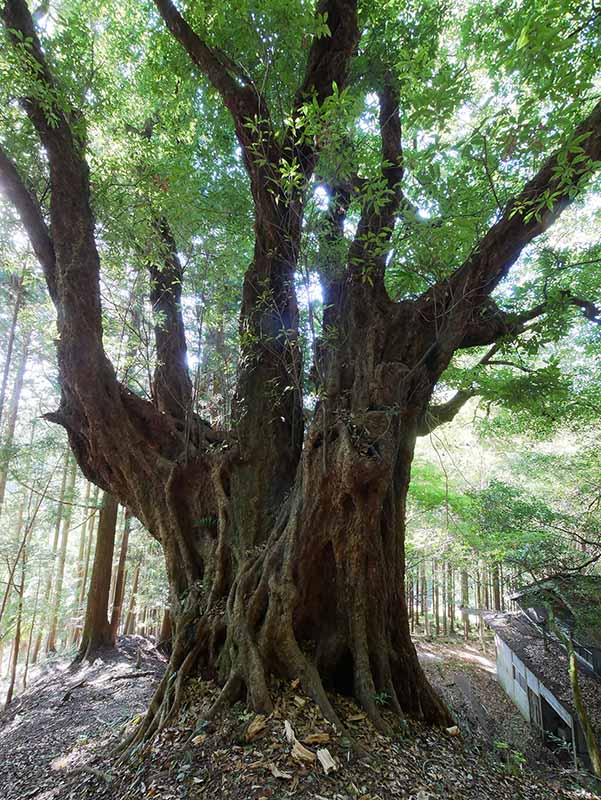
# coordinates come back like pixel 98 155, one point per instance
pixel 367 120
pixel 308 290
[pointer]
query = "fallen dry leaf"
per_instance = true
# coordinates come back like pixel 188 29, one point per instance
pixel 202 737
pixel 277 773
pixel 299 701
pixel 289 732
pixel 325 759
pixel 453 730
pixel 300 753
pixel 357 717
pixel 255 727
pixel 317 738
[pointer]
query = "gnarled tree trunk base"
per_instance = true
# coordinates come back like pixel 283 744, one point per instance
pixel 320 601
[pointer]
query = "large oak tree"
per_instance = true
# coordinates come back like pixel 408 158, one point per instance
pixel 284 534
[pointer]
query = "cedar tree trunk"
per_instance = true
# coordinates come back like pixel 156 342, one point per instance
pixel 97 631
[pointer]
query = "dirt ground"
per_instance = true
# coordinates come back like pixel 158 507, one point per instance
pixel 55 742
pixel 465 674
pixel 56 727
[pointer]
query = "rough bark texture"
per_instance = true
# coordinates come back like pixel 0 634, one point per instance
pixel 97 631
pixel 284 547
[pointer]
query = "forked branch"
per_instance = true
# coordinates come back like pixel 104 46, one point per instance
pixel 526 216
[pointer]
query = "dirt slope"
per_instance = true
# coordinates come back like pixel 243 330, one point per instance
pixel 59 724
pixel 55 745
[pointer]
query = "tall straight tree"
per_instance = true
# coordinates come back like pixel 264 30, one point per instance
pixel 97 629
pixel 283 537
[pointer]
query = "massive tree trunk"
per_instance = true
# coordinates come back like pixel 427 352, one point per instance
pixel 284 547
pixel 320 595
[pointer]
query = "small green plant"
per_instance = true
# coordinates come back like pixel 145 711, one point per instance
pixel 381 698
pixel 513 760
pixel 403 729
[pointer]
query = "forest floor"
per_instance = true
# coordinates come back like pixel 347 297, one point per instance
pixel 56 740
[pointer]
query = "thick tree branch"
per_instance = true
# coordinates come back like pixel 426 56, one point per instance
pixel 378 216
pixel 242 101
pixel 591 311
pixel 30 214
pixel 104 421
pixel 172 387
pixel 329 56
pixel 76 289
pixel 171 384
pixel 242 98
pixel 528 215
pixel 490 324
pixel 437 415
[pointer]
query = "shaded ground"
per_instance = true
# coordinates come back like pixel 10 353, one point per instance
pixel 59 724
pixel 242 756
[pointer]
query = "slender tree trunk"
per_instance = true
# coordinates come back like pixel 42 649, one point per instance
pixel 51 567
pixel 62 557
pixel 485 586
pixel 97 632
pixel 89 539
pixel 496 588
pixel 17 639
pixel 425 600
pixel 445 624
pixel 479 583
pixel 166 630
pixel 77 626
pixel 130 619
pixel 10 345
pixel 11 420
pixel 465 601
pixel 120 579
pixel 417 587
pixel 592 745
pixel 451 598
pixel 30 637
pixel 21 534
pixel 436 591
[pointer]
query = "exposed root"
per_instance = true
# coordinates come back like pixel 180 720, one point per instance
pixel 230 693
